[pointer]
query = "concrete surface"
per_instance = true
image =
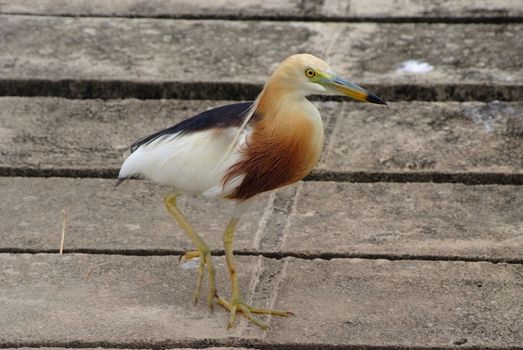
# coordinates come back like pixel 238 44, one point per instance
pixel 146 301
pixel 435 264
pixel 464 56
pixel 101 217
pixel 415 137
pixel 90 134
pixel 445 220
pixel 329 9
pixel 311 219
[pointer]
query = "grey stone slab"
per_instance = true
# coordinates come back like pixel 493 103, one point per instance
pixel 334 9
pixel 239 52
pixel 110 299
pixel 390 219
pixel 81 299
pixel 89 136
pixel 60 133
pixel 312 218
pixel 401 303
pixel 423 137
pixel 131 217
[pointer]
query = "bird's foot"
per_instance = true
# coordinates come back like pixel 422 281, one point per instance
pixel 204 255
pixel 237 305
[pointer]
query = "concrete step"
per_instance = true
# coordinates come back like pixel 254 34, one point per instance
pixel 468 142
pixel 151 58
pixel 376 10
pixel 310 219
pixel 131 301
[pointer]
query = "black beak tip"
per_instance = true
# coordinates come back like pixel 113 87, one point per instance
pixel 375 99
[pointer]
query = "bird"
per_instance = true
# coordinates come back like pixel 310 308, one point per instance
pixel 237 152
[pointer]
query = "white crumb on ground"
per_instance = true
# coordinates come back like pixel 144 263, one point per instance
pixel 414 67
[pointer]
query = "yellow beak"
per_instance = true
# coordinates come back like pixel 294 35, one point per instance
pixel 346 88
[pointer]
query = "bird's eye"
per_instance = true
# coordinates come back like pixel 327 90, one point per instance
pixel 309 72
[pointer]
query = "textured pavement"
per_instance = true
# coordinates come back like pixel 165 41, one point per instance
pixel 310 219
pixel 120 57
pixel 470 138
pixel 379 10
pixel 407 235
pixel 139 300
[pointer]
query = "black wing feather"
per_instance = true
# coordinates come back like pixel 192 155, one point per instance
pixel 221 117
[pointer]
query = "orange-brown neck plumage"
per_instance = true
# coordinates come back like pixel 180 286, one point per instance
pixel 285 144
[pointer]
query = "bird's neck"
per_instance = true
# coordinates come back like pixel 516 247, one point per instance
pixel 280 101
pixel 284 113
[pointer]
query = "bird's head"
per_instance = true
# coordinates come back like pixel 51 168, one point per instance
pixel 306 74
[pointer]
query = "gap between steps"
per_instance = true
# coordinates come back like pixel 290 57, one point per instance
pixel 466 178
pixel 464 19
pixel 267 254
pixel 209 90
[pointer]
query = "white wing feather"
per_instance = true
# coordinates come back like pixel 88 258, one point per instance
pixel 194 162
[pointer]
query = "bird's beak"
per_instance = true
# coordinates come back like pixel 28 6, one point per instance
pixel 346 88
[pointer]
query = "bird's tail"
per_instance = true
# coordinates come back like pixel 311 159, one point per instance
pixel 119 182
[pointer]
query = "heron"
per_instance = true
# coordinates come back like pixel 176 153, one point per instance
pixel 238 151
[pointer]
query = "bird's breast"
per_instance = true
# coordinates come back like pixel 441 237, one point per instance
pixel 278 153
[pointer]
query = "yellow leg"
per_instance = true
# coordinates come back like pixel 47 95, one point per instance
pixel 236 304
pixel 203 252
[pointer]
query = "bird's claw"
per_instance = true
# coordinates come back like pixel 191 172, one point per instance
pixel 239 306
pixel 191 255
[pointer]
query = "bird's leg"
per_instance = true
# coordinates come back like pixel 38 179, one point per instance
pixel 203 252
pixel 236 303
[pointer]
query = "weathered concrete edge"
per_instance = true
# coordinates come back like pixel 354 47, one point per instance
pixel 278 255
pixel 482 18
pixel 467 178
pixel 239 343
pixel 226 347
pixel 119 89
